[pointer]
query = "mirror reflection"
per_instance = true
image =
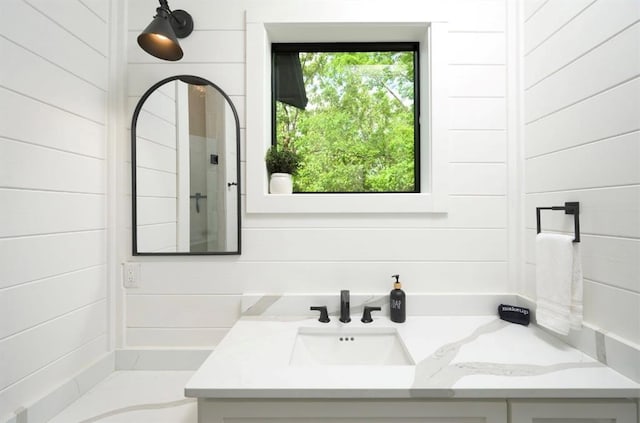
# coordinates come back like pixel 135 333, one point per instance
pixel 185 164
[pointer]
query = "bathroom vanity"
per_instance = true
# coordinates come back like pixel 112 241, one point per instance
pixel 428 369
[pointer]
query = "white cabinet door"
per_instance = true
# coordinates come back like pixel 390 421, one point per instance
pixel 356 411
pixel 573 412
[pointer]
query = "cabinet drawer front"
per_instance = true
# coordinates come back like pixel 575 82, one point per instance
pixel 573 412
pixel 356 411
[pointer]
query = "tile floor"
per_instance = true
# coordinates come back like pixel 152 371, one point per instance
pixel 134 397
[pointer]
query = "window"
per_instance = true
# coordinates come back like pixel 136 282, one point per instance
pixel 350 111
pixel 306 22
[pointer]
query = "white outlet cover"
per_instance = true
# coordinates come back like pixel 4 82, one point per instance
pixel 131 275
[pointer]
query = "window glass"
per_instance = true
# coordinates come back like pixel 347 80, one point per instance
pixel 350 112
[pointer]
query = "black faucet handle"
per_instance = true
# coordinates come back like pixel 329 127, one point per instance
pixel 324 315
pixel 366 314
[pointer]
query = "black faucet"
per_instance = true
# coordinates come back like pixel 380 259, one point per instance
pixel 344 306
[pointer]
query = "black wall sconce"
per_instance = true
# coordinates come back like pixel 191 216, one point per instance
pixel 160 38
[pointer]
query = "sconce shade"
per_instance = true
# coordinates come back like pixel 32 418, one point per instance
pixel 160 38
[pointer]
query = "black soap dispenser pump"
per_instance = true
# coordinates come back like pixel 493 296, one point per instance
pixel 397 302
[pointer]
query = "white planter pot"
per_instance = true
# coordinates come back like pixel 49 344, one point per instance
pixel 280 183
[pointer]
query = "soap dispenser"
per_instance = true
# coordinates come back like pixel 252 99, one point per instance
pixel 397 302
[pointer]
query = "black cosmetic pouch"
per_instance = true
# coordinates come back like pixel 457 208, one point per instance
pixel 514 314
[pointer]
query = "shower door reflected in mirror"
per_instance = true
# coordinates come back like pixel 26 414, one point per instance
pixel 185 164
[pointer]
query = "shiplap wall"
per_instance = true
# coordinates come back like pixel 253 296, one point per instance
pixel 582 122
pixel 53 93
pixel 194 302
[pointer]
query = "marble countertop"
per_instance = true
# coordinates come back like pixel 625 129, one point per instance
pixel 456 357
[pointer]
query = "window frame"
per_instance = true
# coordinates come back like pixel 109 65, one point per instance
pixel 357 47
pixel 318 21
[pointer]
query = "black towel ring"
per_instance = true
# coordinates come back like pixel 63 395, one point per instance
pixel 569 208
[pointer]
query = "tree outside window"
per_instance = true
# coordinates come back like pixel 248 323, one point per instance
pixel 350 112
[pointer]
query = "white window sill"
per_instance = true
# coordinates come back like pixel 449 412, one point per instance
pixel 347 203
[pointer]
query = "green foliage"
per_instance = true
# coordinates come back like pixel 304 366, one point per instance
pixel 356 134
pixel 282 161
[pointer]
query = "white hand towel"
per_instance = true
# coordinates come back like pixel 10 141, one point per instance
pixel 558 283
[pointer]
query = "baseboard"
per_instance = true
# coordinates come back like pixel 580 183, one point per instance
pixel 617 353
pixel 45 408
pixel 160 359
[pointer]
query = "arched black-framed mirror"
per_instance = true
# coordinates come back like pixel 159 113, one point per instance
pixel 185 170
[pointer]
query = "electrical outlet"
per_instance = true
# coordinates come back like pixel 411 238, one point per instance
pixel 131 275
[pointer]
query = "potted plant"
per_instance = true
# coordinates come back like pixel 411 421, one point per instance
pixel 282 164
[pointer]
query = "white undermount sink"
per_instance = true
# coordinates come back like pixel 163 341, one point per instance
pixel 349 347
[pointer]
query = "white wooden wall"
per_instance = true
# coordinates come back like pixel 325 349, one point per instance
pixel 53 90
pixel 582 114
pixel 193 302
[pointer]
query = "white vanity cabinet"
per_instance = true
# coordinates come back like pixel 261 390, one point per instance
pixel 417 411
pixel 351 411
pixel 573 412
